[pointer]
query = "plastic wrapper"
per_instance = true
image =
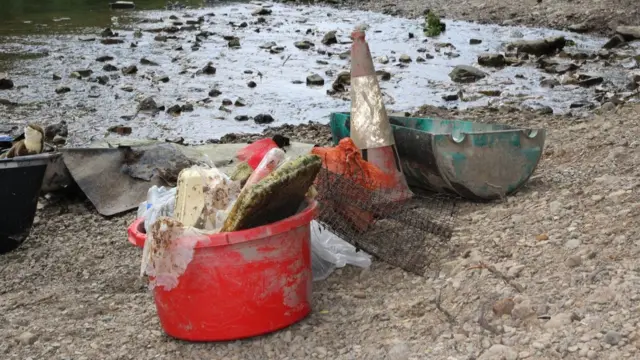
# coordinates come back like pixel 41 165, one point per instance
pixel 160 202
pixel 168 251
pixel 328 252
pixel 203 197
pixel 256 151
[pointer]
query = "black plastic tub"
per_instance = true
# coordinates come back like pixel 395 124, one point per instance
pixel 20 183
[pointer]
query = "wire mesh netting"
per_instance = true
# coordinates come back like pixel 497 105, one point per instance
pixel 412 233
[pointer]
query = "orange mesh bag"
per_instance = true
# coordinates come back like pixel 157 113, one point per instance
pixel 346 161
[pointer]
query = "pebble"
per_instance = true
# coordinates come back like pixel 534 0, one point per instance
pixel 498 351
pixel 573 261
pixel 612 337
pixel 27 338
pixel 572 244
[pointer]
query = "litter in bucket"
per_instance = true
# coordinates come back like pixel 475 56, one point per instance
pixel 240 284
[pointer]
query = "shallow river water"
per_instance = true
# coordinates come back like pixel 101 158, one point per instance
pixel 31 59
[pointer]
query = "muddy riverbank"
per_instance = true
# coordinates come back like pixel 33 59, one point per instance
pixel 592 15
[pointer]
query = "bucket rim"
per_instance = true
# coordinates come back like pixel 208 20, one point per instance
pixel 301 218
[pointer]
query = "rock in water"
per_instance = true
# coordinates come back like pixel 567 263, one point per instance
pixel 104 58
pixel 109 67
pixel 304 45
pixel 84 72
pixel 579 28
pixel 122 5
pixel 59 129
pixel 240 102
pixel 242 118
pixel 315 80
pixel 174 110
pixel 252 84
pixel 261 11
pixel 145 61
pixel 148 104
pixel 616 41
pixel 330 38
pixel 404 58
pixel 62 90
pixel 629 33
pixel 491 60
pixel 539 47
pixel 383 75
pixel 215 93
pixel 263 119
pixel 120 130
pixel 234 43
pixel 209 69
pixel 129 70
pixel 5 82
pixel 110 41
pixel 475 41
pixel 466 74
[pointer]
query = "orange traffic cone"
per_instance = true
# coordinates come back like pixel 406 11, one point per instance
pixel 370 127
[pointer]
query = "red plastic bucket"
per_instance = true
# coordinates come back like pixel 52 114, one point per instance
pixel 243 283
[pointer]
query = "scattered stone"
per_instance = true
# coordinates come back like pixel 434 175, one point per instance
pixel 63 90
pixel 252 84
pixel 466 74
pixel 450 97
pixel 572 244
pixel 261 11
pixel 405 59
pixel 322 62
pixel 383 60
pixel 104 58
pixel 108 33
pixel 75 75
pixel 148 104
pixel 240 102
pixel 503 307
pixel 84 72
pixel 490 92
pixel 608 106
pixel 161 38
pixel 226 102
pixel 242 118
pixel 145 61
pixel 612 337
pixel 27 338
pixel 234 43
pixel 276 49
pixel 174 110
pixel 582 104
pixel 110 41
pixel 5 82
pixel 491 60
pixel 542 237
pixel 382 75
pixel 120 129
pixel 330 38
pixel 539 47
pixel 215 93
pixel 129 70
pixel 109 67
pixel 163 79
pixel 586 80
pixel 559 320
pixel 475 41
pixel 580 28
pixel 102 79
pixel 56 77
pixel 123 5
pixel 629 33
pixel 315 80
pixel 616 41
pixel 573 261
pixel 304 45
pixel 209 69
pixel 187 107
pixel 263 119
pixel 127 88
pixel 420 59
pixel 498 351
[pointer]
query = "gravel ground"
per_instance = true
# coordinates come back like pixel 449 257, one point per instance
pixel 602 16
pixel 566 244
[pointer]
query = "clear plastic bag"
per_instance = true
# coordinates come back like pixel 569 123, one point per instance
pixel 328 252
pixel 160 202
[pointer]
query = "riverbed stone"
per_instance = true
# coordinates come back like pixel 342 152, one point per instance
pixel 330 38
pixel 491 60
pixel 62 90
pixel 315 80
pixel 304 44
pixel 109 67
pixel 616 41
pixel 261 11
pixel 466 74
pixel 111 41
pixel 5 82
pixel 129 70
pixel 263 119
pixel 629 33
pixel 404 58
pixel 541 47
pixel 104 58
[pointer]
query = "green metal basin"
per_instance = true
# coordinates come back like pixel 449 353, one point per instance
pixel 473 160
